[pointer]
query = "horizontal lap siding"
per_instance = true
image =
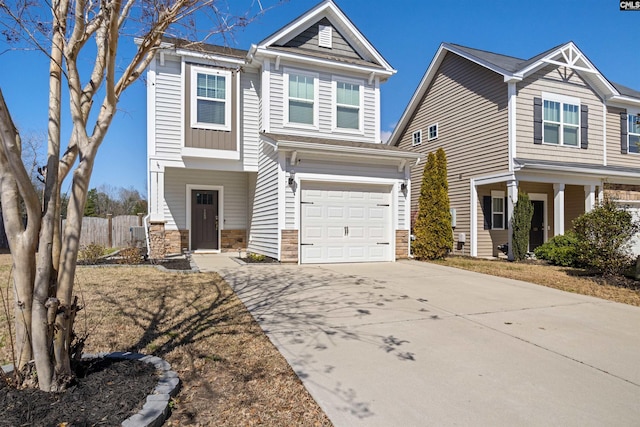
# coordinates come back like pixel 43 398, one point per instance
pixel 325 107
pixel 235 192
pixel 573 204
pixel 264 222
pixel 250 107
pixel 168 108
pixel 614 155
pixel 469 103
pixel 489 240
pixel 308 40
pixel 560 81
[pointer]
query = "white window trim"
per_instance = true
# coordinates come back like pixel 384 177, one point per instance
pixel 316 78
pixel 631 112
pixel 193 98
pixel 495 194
pixel 562 99
pixel 429 138
pixel 334 104
pixel 413 138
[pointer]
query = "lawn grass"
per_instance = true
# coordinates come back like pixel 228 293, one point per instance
pixel 564 278
pixel 231 373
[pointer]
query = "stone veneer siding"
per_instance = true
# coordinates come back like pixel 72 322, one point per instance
pixel 402 244
pixel 232 240
pixel 176 241
pixel 289 248
pixel 622 192
pixel 157 247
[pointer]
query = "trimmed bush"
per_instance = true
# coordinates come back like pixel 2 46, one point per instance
pixel 521 226
pixel 434 237
pixel 604 237
pixel 560 250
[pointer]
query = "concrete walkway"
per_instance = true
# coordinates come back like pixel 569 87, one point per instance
pixel 416 344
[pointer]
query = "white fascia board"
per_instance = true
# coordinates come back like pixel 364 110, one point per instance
pixel 418 94
pixel 495 178
pixel 623 101
pixel 210 57
pixel 478 61
pixel 345 150
pixel 266 53
pixel 580 170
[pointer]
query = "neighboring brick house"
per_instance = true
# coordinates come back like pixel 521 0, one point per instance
pixel 276 149
pixel 551 126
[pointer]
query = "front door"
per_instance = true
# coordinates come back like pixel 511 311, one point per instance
pixel 536 235
pixel 204 219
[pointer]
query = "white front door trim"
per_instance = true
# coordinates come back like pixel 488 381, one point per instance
pixel 542 197
pixel 220 190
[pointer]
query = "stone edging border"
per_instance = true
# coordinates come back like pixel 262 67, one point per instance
pixel 156 409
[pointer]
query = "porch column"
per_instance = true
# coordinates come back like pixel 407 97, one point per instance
pixel 512 198
pixel 156 191
pixel 589 197
pixel 558 209
pixel 600 195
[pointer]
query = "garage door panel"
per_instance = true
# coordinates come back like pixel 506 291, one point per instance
pixel 345 223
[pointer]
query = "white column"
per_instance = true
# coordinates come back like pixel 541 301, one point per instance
pixel 589 197
pixel 600 195
pixel 558 209
pixel 473 239
pixel 512 199
pixel 156 191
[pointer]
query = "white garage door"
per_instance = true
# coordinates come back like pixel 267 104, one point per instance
pixel 345 223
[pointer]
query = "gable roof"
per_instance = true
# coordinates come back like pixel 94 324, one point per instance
pixel 515 69
pixel 365 57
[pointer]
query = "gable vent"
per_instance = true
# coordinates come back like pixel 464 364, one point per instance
pixel 324 36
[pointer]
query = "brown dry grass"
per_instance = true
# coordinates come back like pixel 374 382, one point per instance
pixel 563 278
pixel 231 373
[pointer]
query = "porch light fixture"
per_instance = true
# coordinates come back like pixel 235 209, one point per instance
pixel 292 177
pixel 403 185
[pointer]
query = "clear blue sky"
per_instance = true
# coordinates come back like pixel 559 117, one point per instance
pixel 407 33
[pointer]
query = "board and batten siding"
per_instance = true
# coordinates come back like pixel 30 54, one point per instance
pixel 263 234
pixel 614 153
pixel 168 88
pixel 278 106
pixel 235 196
pixel 207 138
pixel 560 81
pixel 469 104
pixel 308 40
pixel 250 108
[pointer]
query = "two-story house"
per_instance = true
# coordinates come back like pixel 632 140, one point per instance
pixel 551 126
pixel 276 149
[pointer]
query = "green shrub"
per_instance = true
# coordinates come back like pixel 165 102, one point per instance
pixel 604 237
pixel 560 250
pixel 91 253
pixel 434 236
pixel 256 257
pixel 521 226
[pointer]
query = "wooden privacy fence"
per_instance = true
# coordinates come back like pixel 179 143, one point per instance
pixel 113 231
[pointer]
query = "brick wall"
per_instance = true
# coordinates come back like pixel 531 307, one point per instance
pixel 402 244
pixel 289 249
pixel 232 240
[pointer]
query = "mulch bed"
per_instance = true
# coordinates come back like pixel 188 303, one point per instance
pixel 106 392
pixel 169 263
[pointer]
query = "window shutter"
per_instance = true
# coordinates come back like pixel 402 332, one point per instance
pixel 486 210
pixel 584 126
pixel 623 133
pixel 506 213
pixel 537 120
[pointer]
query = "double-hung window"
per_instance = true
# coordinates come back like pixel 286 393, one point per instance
pixel 561 121
pixel 348 104
pixel 301 92
pixel 634 133
pixel 210 98
pixel 497 210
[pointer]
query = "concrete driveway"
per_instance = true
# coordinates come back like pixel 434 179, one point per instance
pixel 413 344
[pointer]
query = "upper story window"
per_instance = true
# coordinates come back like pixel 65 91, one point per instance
pixel 497 210
pixel 561 120
pixel 210 98
pixel 433 131
pixel 348 104
pixel 634 133
pixel 417 137
pixel 302 98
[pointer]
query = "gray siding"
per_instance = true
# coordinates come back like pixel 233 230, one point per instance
pixel 325 106
pixel 207 138
pixel 469 103
pixel 235 192
pixel 250 108
pixel 167 108
pixel 560 81
pixel 263 236
pixel 308 40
